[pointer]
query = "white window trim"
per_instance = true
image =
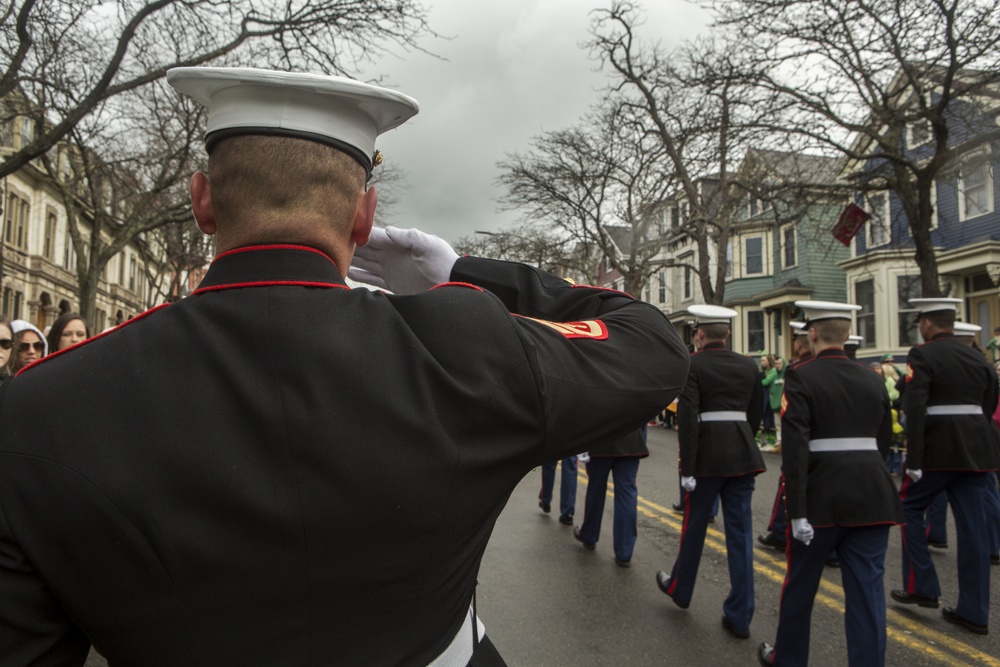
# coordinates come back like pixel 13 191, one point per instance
pixel 983 155
pixel 781 243
pixel 935 219
pixel 886 219
pixel 763 255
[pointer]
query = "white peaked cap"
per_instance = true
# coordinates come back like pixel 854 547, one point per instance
pixel 814 311
pixel 706 314
pixel 798 328
pixel 334 110
pixel 854 340
pixel 967 329
pixel 937 303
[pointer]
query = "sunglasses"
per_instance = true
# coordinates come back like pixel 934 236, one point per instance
pixel 24 347
pixel 6 343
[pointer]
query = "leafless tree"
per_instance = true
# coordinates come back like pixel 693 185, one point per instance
pixel 528 243
pixel 864 79
pixel 69 58
pixel 698 106
pixel 119 181
pixel 599 183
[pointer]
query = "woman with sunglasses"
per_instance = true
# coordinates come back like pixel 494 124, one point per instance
pixel 6 345
pixel 29 344
pixel 68 329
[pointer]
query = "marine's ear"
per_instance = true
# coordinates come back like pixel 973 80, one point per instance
pixel 201 202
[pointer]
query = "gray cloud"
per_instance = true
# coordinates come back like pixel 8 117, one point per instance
pixel 511 71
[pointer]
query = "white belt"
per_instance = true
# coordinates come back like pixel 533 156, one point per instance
pixel 459 651
pixel 722 416
pixel 954 409
pixel 842 444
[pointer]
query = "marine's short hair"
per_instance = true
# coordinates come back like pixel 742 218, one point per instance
pixel 714 332
pixel 942 319
pixel 833 331
pixel 266 180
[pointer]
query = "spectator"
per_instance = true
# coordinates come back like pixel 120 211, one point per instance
pixel 68 329
pixel 6 346
pixel 29 344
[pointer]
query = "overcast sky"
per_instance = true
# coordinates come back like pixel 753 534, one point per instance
pixel 513 70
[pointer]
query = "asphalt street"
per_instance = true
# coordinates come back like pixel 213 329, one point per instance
pixel 548 602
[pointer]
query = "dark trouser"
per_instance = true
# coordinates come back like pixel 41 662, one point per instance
pixel 567 485
pixel 937 519
pixel 968 493
pixel 626 521
pixel 862 566
pixel 486 655
pixel 777 525
pixel 736 494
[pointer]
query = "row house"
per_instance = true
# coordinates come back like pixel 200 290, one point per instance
pixel 38 266
pixel 780 250
pixel 881 273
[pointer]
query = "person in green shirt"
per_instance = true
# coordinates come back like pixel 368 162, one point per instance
pixel 774 382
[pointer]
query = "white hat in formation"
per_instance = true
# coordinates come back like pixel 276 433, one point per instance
pixel 854 341
pixel 333 110
pixel 937 303
pixel 798 328
pixel 967 329
pixel 813 311
pixel 707 314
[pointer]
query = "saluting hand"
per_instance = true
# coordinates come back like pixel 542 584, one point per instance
pixel 403 261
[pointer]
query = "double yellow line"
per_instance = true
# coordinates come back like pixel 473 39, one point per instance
pixel 899 628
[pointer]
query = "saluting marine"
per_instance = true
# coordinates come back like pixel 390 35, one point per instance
pixel 242 527
pixel 951 394
pixel 719 412
pixel 840 497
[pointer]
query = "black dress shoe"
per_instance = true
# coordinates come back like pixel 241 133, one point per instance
pixel 909 598
pixel 995 559
pixel 832 562
pixel 678 507
pixel 576 536
pixel 729 627
pixel 622 563
pixel 937 545
pixel 711 519
pixel 949 615
pixel 566 519
pixel 764 653
pixel 663 582
pixel 545 507
pixel 772 541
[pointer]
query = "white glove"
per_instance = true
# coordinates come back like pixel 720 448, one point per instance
pixel 583 457
pixel 802 530
pixel 404 261
pixel 915 475
pixel 688 483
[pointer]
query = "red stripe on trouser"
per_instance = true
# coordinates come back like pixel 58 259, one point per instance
pixel 911 581
pixel 680 545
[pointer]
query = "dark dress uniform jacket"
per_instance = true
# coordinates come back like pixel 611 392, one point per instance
pixel 720 381
pixel 279 470
pixel 631 445
pixel 944 371
pixel 832 396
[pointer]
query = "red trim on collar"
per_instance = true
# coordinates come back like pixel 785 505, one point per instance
pixel 277 246
pixel 267 283
pixel 95 337
pixel 458 284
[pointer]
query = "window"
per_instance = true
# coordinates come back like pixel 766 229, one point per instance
pixel 729 259
pixel 49 247
pixel 661 222
pixel 878 225
pixel 920 133
pixel 132 274
pixel 688 292
pixel 675 217
pixel 975 188
pixel 69 255
pixel 755 330
pixel 754 255
pixel 864 296
pixel 907 287
pixel 788 246
pixel 684 213
pixel 18 211
pixel 663 286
